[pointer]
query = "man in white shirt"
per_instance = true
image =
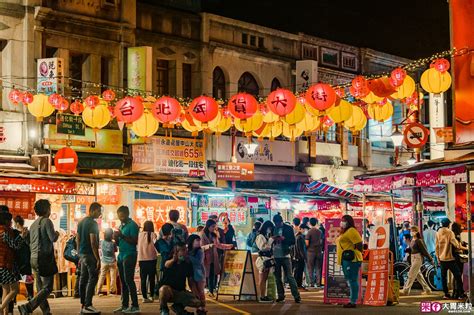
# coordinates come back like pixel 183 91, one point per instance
pixel 429 236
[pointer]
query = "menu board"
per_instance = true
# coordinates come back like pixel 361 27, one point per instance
pixel 238 276
pixel 235 206
pixel 336 289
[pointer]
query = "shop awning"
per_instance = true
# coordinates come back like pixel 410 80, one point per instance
pixel 279 174
pixel 320 188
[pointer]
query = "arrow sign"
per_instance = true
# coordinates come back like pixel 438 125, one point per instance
pixel 415 135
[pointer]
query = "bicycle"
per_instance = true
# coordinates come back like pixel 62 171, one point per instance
pixel 430 273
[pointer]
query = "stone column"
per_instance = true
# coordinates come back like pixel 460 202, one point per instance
pixel 91 74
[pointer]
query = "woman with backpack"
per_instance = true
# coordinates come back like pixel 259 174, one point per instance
pixel 264 262
pixel 9 273
pixel 147 257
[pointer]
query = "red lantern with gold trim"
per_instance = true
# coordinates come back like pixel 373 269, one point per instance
pixel 321 96
pixel 55 100
pixel 92 101
pixel 108 95
pixel 27 98
pixel 76 107
pixel 129 109
pixel 242 105
pixel 281 102
pixel 204 109
pixel 440 64
pixel 397 76
pixel 166 109
pixel 62 106
pixel 66 160
pixel 15 96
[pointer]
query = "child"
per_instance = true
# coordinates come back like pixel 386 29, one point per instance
pixel 108 261
pixel 198 280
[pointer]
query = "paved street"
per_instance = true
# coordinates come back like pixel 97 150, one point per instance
pixel 312 302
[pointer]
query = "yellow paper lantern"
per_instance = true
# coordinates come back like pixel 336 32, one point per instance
pixel 291 131
pixel 146 126
pixel 356 119
pixel 340 112
pixel 191 127
pixel 308 123
pixel 312 111
pixel 380 112
pixel 361 125
pixel 270 131
pixel 270 117
pixel 224 124
pixel 296 115
pixel 372 98
pixel 436 82
pixel 40 107
pixel 209 125
pixel 406 89
pixel 96 118
pixel 251 124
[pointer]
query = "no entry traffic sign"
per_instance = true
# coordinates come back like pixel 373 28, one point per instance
pixel 415 135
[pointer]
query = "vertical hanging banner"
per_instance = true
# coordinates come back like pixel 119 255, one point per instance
pixel 436 121
pixel 50 76
pixel 336 289
pixel 139 66
pixel 462 24
pixel 306 74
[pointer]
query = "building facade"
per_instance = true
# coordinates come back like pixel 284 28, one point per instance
pixel 192 53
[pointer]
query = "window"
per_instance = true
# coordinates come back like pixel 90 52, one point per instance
pixel 349 61
pixel 309 52
pixel 162 76
pixel 275 84
pixel 187 79
pixel 218 83
pixel 50 52
pixel 75 73
pixel 176 25
pixel 247 83
pixel 245 39
pixel 253 40
pixel 104 74
pixel 261 42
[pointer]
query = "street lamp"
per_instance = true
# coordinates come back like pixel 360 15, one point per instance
pixel 397 137
pixel 412 159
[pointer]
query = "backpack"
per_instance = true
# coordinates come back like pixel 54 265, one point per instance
pixel 70 251
pixel 178 234
pixel 251 239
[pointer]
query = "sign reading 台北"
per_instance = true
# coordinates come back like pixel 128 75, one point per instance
pixel 181 156
pixel 157 211
pixel 376 292
pixel 70 125
pixel 235 171
pixel 50 76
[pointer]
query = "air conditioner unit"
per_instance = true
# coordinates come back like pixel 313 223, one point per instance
pixel 41 162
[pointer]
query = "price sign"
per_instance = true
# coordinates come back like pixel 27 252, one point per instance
pixel 415 135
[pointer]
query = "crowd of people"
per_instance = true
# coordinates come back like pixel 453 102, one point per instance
pixel 288 254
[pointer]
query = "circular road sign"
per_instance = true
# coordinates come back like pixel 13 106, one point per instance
pixel 415 135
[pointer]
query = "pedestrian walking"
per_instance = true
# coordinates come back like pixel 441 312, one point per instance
pixel 349 256
pixel 418 251
pixel 10 243
pixel 108 265
pixel 460 257
pixel 87 240
pixel 147 257
pixel 197 281
pixel 300 254
pixel 283 239
pixel 314 242
pixel 127 238
pixel 24 264
pixel 445 244
pixel 211 257
pixel 41 239
pixel 429 237
pixel 265 262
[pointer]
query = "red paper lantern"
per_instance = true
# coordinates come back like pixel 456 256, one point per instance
pixel 321 96
pixel 66 160
pixel 111 111
pixel 55 99
pixel 63 105
pixel 76 107
pixel 397 76
pixel 440 64
pixel 92 101
pixel 281 102
pixel 15 97
pixel 340 92
pixel 381 87
pixel 108 95
pixel 204 109
pixel 242 105
pixel 359 93
pixel 129 109
pixel 166 109
pixel 359 82
pixel 27 98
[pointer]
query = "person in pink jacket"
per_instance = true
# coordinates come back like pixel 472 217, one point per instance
pixel 211 257
pixel 147 257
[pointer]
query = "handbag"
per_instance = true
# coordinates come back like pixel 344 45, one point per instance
pixel 463 258
pixel 70 251
pixel 269 263
pixel 348 254
pixel 46 262
pixel 265 253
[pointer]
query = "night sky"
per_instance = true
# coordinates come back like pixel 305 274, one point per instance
pixel 408 28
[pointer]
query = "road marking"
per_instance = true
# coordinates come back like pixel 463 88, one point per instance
pixel 229 307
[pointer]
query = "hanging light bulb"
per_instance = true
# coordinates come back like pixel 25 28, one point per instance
pixel 397 137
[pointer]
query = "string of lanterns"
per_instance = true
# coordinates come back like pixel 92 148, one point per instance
pixel 282 113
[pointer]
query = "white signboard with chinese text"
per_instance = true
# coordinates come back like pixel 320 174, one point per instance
pixel 306 74
pixel 10 136
pixel 50 76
